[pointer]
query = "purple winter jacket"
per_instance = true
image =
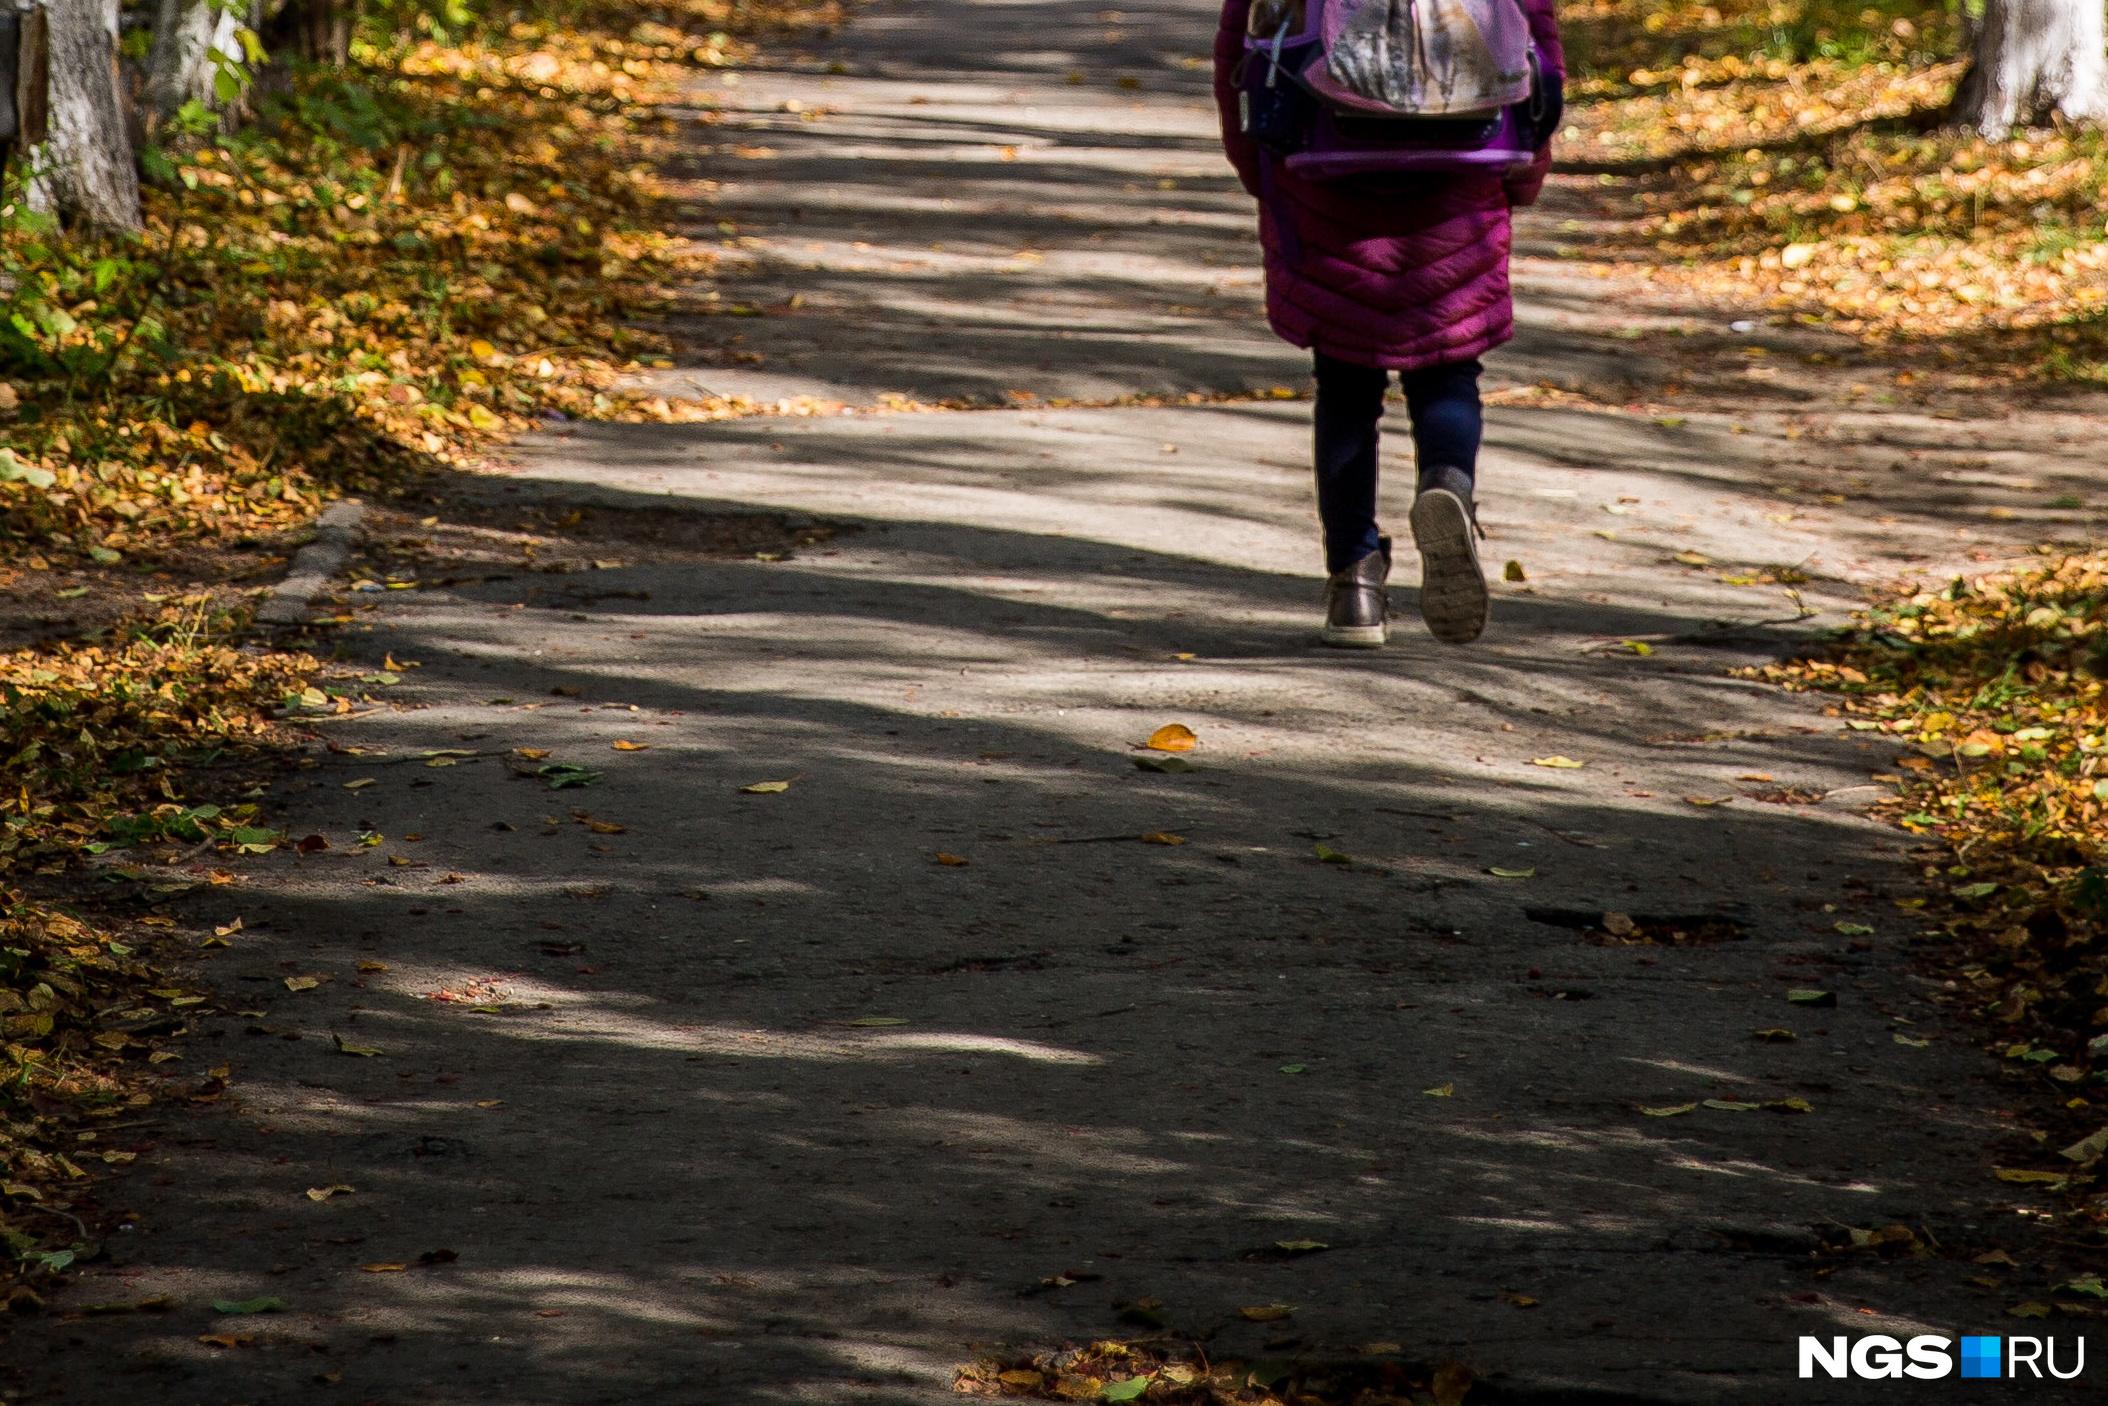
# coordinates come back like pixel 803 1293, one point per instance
pixel 1397 271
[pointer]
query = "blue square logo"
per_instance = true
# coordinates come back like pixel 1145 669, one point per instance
pixel 1980 1357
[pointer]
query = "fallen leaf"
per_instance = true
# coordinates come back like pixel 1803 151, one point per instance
pixel 265 1304
pixel 954 860
pixel 1519 1300
pixel 302 983
pixel 1019 1376
pixel 1441 1091
pixel 1129 1390
pixel 1294 1068
pixel 1267 1313
pixel 1327 855
pixel 2021 1176
pixel 369 965
pixel 323 1193
pixel 360 784
pixel 2088 1148
pixel 1996 1257
pixel 622 746
pixel 766 788
pixel 1708 800
pixel 1639 647
pixel 1452 1384
pixel 1695 559
pixel 1670 1111
pixel 1790 1105
pixel 1806 996
pixel 345 1046
pixel 1774 1036
pixel 1728 1106
pixel 310 844
pixel 1513 572
pixel 1301 1247
pixel 1900 1038
pixel 532 754
pixel 229 930
pixel 1753 776
pixel 1563 763
pixel 1499 873
pixel 383 1268
pixel 226 1339
pixel 1854 929
pixel 490 1103
pixel 1172 737
pixel 2029 1310
pixel 1162 837
pixel 604 827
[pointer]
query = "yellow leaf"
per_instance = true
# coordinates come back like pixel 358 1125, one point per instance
pixel 532 754
pixel 323 1193
pixel 1267 1313
pixel 605 827
pixel 302 983
pixel 481 349
pixel 373 966
pixel 490 1103
pixel 361 784
pixel 1172 737
pixel 1499 873
pixel 2024 1177
pixel 384 1268
pixel 1513 572
pixel 230 930
pixel 1670 1111
pixel 1564 763
pixel 1162 837
pixel 952 859
pixel 1021 1377
pixel 1441 1091
pixel 622 746
pixel 766 788
pixel 1708 801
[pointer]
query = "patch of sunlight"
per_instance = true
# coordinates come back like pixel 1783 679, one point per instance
pixel 1513 1223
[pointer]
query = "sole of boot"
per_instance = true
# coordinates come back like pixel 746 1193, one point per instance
pixel 1453 597
pixel 1356 636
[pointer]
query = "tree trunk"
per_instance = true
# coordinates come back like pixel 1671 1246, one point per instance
pixel 318 31
pixel 180 68
pixel 2032 58
pixel 86 166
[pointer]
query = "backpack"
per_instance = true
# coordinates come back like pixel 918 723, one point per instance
pixel 1341 88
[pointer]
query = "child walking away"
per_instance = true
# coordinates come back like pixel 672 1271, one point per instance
pixel 1386 142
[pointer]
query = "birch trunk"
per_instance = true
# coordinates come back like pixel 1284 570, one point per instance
pixel 2033 58
pixel 179 67
pixel 86 165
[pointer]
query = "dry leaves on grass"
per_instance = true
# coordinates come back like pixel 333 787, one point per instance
pixel 1992 687
pixel 1785 161
pixel 1145 1371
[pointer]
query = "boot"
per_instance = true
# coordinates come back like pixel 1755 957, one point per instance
pixel 1453 595
pixel 1357 606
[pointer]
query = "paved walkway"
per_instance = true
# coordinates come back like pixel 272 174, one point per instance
pixel 734 1096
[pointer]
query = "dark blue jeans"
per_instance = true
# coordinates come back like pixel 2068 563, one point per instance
pixel 1444 401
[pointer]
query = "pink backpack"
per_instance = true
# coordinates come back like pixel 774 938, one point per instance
pixel 1338 88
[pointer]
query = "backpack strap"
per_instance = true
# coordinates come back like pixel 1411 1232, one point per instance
pixel 1285 235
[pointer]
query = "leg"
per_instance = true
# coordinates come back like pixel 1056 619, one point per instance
pixel 1349 405
pixel 1446 431
pixel 1447 422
